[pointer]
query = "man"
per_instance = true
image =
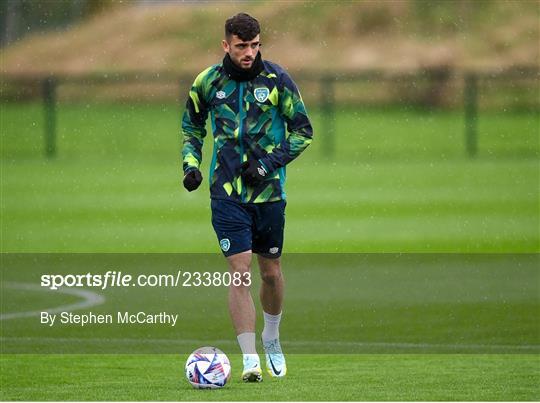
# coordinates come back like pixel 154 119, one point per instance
pixel 250 102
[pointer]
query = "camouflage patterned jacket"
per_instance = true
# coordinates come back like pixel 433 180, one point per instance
pixel 248 122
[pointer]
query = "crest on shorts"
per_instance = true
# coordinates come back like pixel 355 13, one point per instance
pixel 225 244
pixel 261 94
pixel 274 250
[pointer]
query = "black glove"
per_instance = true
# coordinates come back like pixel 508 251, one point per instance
pixel 253 172
pixel 192 180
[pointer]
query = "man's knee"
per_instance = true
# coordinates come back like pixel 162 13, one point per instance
pixel 241 268
pixel 271 274
pixel 240 264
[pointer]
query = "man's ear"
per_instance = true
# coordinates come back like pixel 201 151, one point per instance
pixel 225 45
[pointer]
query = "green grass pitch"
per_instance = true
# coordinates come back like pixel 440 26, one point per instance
pixel 398 182
pixel 313 377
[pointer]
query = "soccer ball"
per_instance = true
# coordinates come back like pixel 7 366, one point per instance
pixel 208 368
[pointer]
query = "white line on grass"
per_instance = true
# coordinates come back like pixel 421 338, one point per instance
pixel 89 299
pixel 307 343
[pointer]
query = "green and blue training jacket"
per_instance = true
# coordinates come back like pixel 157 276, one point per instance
pixel 263 119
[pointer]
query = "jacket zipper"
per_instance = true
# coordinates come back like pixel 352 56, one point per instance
pixel 240 135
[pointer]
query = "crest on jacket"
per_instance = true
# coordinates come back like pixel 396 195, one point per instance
pixel 261 94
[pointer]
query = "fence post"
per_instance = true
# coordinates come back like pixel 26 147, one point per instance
pixel 328 116
pixel 49 103
pixel 471 113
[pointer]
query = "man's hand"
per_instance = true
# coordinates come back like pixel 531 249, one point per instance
pixel 253 172
pixel 192 180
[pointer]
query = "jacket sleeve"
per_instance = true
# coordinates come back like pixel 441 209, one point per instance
pixel 194 124
pixel 299 130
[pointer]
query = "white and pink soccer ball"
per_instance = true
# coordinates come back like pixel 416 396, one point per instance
pixel 208 368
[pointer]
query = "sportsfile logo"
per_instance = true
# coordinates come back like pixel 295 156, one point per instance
pixel 109 279
pixel 119 279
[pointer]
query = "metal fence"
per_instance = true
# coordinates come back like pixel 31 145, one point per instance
pixel 434 88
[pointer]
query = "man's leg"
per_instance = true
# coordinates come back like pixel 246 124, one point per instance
pixel 242 311
pixel 241 305
pixel 271 295
pixel 272 285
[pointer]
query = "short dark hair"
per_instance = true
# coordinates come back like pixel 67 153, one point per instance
pixel 242 25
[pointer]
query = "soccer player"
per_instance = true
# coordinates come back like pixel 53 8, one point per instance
pixel 251 102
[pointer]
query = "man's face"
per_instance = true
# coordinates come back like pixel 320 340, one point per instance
pixel 242 53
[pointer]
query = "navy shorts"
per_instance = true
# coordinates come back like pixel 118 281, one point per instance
pixel 254 226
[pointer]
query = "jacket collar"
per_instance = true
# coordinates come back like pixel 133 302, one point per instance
pixel 238 74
